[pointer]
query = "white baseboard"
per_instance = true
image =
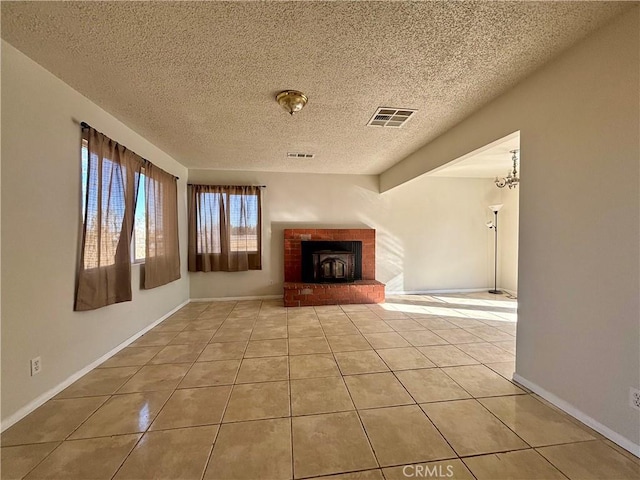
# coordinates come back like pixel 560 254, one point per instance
pixel 578 414
pixel 398 292
pixel 226 299
pixel 49 394
pixel 436 292
pixel 450 290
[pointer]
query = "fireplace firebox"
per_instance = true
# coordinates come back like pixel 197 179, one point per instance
pixel 333 253
pixel 331 261
pixel 330 266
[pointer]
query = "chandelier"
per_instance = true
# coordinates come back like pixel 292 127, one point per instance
pixel 512 179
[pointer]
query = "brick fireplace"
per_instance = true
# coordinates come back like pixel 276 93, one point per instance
pixel 319 265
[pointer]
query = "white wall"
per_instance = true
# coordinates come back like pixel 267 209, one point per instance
pixel 431 232
pixel 40 225
pixel 440 225
pixel 507 271
pixel 579 249
pixel 508 239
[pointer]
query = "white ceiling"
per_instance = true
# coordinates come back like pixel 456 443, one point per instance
pixel 490 161
pixel 199 79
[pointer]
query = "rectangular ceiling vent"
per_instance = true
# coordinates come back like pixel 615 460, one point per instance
pixel 391 117
pixel 300 155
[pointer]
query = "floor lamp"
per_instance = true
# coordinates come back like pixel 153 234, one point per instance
pixel 494 226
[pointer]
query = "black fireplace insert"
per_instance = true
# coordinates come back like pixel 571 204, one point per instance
pixel 326 261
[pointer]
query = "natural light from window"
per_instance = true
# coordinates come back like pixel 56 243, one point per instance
pixel 244 222
pixel 139 224
pixel 138 249
pixel 433 305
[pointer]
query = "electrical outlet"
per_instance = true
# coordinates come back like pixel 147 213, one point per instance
pixel 36 366
pixel 634 398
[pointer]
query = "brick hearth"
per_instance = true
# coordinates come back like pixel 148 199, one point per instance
pixel 298 294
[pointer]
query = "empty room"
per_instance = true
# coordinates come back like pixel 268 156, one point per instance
pixel 320 239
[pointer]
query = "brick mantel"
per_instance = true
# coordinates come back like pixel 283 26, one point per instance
pixel 297 293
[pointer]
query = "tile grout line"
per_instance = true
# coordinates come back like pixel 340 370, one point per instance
pixel 293 473
pixel 224 410
pixel 422 410
pixel 425 414
pixel 435 426
pixel 551 463
pixel 483 406
pixel 392 371
pixel 112 395
pixel 364 430
pixel 142 434
pixel 41 461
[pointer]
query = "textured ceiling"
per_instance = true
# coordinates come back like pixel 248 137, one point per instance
pixel 198 79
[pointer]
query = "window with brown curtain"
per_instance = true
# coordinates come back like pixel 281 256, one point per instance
pixel 225 228
pixel 112 177
pixel 110 186
pixel 162 262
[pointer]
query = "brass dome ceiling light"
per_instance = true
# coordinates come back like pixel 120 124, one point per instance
pixel 291 100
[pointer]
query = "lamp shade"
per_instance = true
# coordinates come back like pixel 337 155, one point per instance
pixel 496 208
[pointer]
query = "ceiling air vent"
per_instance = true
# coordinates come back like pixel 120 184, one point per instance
pixel 300 155
pixel 391 117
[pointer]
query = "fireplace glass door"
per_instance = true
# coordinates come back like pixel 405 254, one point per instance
pixel 331 266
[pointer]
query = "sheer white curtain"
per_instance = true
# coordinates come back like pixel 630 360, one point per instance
pixel 162 253
pixel 225 228
pixel 110 185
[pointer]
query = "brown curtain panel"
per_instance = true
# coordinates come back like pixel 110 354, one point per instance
pixel 111 185
pixel 225 228
pixel 162 263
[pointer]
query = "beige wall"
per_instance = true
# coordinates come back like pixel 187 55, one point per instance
pixel 508 240
pixel 40 216
pixel 507 272
pixel 431 232
pixel 578 288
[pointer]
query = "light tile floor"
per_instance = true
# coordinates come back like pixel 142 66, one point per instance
pixel 418 387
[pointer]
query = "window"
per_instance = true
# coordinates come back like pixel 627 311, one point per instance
pixel 208 232
pixel 243 215
pixel 129 208
pixel 110 175
pixel 103 228
pixel 139 222
pixel 138 240
pixel 161 244
pixel 224 228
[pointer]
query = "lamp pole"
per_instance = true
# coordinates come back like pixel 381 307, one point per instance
pixel 495 209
